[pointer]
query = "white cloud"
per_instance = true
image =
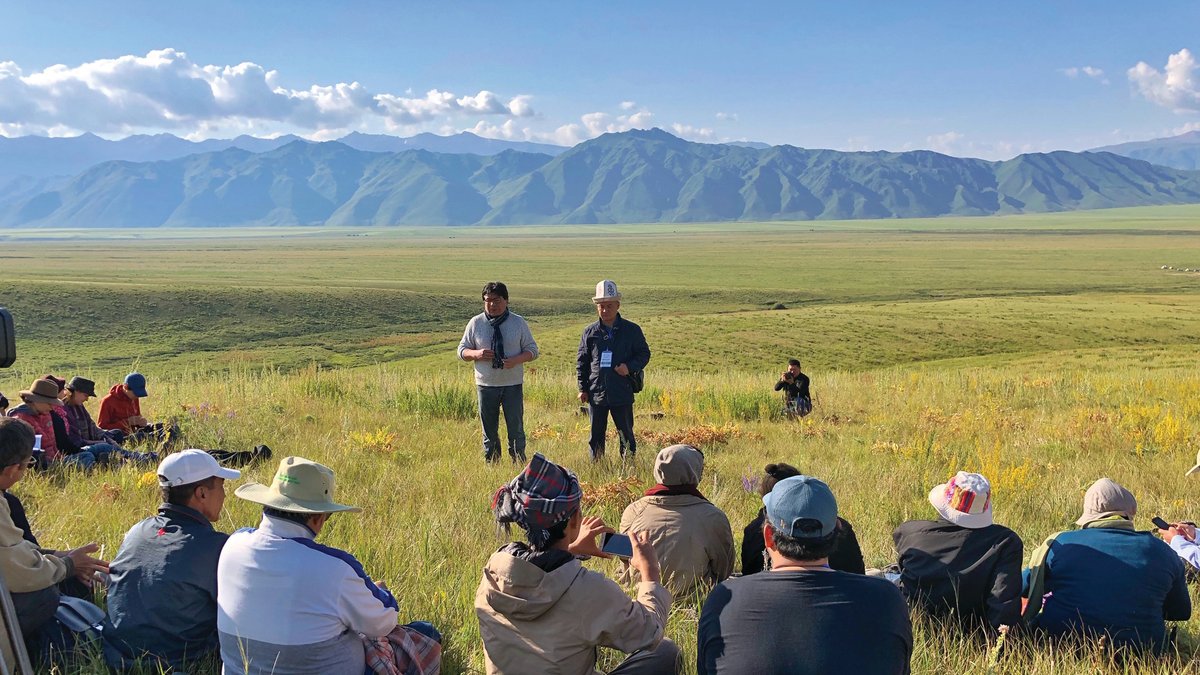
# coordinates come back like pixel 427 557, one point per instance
pixel 727 117
pixel 693 133
pixel 1175 87
pixel 167 90
pixel 957 144
pixel 628 105
pixel 945 143
pixel 1086 71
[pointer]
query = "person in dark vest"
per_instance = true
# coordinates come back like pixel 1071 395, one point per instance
pixel 612 351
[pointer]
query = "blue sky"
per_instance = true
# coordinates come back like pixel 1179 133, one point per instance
pixel 978 79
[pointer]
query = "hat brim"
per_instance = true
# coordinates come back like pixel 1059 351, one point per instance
pixel 38 398
pixel 140 393
pixel 1192 471
pixel 971 521
pixel 600 300
pixel 262 494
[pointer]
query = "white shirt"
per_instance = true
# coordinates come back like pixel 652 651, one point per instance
pixel 276 585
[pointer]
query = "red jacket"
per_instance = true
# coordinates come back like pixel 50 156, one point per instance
pixel 116 408
pixel 42 424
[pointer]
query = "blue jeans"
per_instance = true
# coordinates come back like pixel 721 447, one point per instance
pixel 511 398
pixel 82 459
pixel 104 453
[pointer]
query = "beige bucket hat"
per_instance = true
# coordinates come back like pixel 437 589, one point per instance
pixel 300 486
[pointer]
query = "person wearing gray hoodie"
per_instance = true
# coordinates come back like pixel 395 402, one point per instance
pixel 691 535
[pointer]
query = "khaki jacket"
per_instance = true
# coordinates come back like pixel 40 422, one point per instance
pixel 691 537
pixel 25 568
pixel 550 623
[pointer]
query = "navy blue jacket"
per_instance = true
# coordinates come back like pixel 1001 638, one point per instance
pixel 163 597
pixel 1117 581
pixel 603 385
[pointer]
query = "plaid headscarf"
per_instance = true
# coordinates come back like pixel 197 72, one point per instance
pixel 540 497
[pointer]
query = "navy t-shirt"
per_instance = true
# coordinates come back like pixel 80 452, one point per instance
pixel 804 623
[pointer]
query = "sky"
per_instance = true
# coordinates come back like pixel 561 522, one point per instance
pixel 986 80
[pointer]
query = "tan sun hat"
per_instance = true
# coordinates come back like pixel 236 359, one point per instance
pixel 1194 469
pixel 1105 498
pixel 42 391
pixel 606 290
pixel 300 486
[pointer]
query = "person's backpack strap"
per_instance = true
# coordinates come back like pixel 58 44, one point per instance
pixel 1037 581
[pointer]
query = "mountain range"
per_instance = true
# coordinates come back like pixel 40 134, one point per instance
pixel 1179 152
pixel 630 177
pixel 44 157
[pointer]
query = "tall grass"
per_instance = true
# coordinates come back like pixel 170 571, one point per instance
pixel 405 444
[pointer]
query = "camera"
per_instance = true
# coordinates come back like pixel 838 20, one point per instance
pixel 8 339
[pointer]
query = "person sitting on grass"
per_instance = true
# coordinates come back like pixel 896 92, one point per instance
pixel 121 410
pixel 162 600
pixel 845 557
pixel 1107 579
pixel 70 443
pixel 802 617
pixel 84 432
pixel 540 611
pixel 962 565
pixel 286 604
pixel 691 536
pixel 38 402
pixel 33 574
pixel 797 401
pixel 3 405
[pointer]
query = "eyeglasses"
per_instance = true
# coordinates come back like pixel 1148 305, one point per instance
pixel 28 464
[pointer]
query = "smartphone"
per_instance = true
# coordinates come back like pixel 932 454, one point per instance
pixel 1160 523
pixel 617 544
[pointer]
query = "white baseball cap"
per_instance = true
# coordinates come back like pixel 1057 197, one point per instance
pixel 192 466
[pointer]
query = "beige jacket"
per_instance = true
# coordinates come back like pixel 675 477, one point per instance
pixel 691 537
pixel 549 623
pixel 25 568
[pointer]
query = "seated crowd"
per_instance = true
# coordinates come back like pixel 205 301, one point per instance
pixel 271 599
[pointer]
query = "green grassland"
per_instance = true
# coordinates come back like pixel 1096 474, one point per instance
pixel 1045 351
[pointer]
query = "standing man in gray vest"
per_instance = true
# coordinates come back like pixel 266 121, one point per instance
pixel 499 342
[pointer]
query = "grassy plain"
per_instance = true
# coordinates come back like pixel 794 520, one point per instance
pixel 1045 351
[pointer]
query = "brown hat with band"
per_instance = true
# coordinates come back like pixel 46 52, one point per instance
pixel 42 391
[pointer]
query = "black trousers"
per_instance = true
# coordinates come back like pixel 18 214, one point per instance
pixel 622 417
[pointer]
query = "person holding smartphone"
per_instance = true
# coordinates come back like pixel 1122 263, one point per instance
pixel 1181 537
pixel 541 611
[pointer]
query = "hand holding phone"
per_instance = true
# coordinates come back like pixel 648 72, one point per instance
pixel 617 544
pixel 1160 523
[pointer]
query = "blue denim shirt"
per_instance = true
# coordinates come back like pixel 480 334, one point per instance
pixel 163 598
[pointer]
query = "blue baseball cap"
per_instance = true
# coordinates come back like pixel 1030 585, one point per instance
pixel 802 507
pixel 137 384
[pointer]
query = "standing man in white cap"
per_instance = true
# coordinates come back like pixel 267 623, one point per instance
pixel 612 354
pixel 287 604
pixel 499 342
pixel 963 565
pixel 162 602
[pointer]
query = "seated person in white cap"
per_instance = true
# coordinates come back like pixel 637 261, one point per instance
pixel 802 617
pixel 1107 579
pixel 962 564
pixel 162 602
pixel 286 604
pixel 691 535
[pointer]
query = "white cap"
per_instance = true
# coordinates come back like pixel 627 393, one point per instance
pixel 606 290
pixel 192 466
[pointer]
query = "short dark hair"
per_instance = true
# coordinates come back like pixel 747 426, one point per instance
pixel 557 531
pixel 495 288
pixel 803 549
pixel 3 403
pixel 179 495
pixel 776 473
pixel 794 362
pixel 16 441
pixel 293 516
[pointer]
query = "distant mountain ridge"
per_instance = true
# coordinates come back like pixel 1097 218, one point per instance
pixel 44 157
pixel 1179 152
pixel 630 177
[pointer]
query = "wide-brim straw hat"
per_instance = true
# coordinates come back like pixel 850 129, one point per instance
pixel 300 486
pixel 42 391
pixel 965 500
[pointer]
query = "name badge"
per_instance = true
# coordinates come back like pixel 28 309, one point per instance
pixel 606 359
